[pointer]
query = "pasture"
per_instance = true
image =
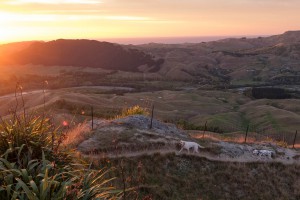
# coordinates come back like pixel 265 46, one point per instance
pixel 229 111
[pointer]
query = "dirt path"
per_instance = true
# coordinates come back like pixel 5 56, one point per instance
pixel 207 155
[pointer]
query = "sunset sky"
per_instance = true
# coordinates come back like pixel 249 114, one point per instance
pixel 51 19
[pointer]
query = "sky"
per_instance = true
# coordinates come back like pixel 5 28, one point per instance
pixel 22 20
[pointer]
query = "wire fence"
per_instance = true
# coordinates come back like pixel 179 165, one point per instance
pixel 235 132
pixel 253 134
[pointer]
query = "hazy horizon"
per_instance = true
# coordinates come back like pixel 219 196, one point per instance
pixel 173 40
pixel 23 20
pixel 161 40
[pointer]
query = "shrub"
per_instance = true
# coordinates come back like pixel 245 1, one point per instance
pixel 32 131
pixel 41 179
pixel 33 166
pixel 37 179
pixel 135 110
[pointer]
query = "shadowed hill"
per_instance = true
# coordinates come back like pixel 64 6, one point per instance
pixel 85 53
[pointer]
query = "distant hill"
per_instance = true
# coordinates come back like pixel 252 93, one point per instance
pixel 7 49
pixel 233 61
pixel 83 53
pixel 272 60
pixel 14 47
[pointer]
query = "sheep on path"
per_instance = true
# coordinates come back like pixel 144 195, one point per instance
pixel 263 153
pixel 187 145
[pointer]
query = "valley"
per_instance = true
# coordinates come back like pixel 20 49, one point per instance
pixel 226 112
pixel 232 96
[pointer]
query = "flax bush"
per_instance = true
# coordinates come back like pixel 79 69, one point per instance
pixel 34 167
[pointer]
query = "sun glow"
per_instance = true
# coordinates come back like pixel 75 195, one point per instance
pixel 8 18
pixel 52 19
pixel 19 2
pixel 15 25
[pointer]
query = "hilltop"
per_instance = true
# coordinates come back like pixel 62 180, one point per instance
pixel 79 53
pixel 151 161
pixel 132 136
pixel 233 61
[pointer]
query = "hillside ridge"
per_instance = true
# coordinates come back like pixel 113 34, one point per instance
pixel 83 53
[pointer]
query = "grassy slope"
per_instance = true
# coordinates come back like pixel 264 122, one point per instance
pixel 188 177
pixel 227 110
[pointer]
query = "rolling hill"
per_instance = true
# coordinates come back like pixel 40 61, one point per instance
pixel 244 61
pixel 233 61
pixel 82 53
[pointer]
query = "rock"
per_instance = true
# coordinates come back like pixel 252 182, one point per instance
pixel 143 122
pixel 131 132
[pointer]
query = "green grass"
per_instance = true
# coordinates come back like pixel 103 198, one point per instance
pixel 228 122
pixel 273 121
pixel 245 122
pixel 190 126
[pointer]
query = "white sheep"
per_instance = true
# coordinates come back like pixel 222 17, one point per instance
pixel 187 145
pixel 262 153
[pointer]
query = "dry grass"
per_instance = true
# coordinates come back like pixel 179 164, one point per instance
pixel 297 146
pixel 238 137
pixel 187 177
pixel 77 135
pixel 232 137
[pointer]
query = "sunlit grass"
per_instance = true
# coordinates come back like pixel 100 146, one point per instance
pixel 77 134
pixel 135 110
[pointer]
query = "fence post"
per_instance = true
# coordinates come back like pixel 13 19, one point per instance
pixel 246 134
pixel 295 139
pixel 151 117
pixel 204 129
pixel 283 137
pixel 92 111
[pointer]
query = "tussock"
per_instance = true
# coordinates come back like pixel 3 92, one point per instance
pixel 77 135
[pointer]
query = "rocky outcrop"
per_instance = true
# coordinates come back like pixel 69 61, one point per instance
pixel 132 132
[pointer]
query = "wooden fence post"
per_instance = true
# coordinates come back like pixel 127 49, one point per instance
pixel 92 111
pixel 151 117
pixel 246 134
pixel 204 129
pixel 295 139
pixel 283 137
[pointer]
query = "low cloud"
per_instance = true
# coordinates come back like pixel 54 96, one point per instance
pixel 127 18
pixel 20 2
pixel 8 17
